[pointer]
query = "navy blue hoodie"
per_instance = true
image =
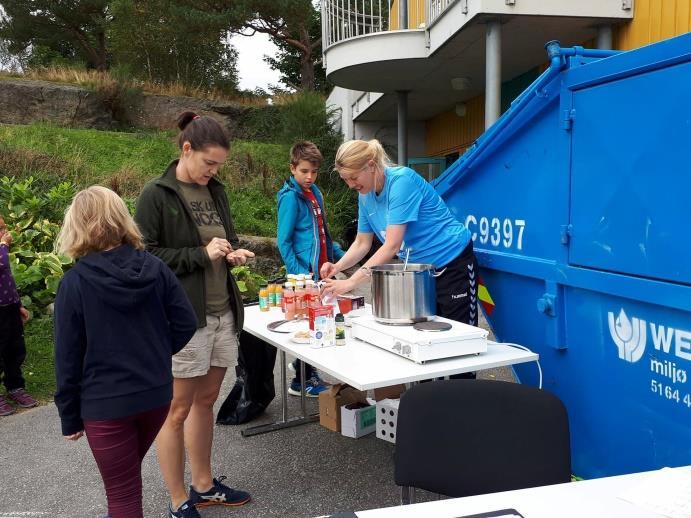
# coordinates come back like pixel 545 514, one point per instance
pixel 120 315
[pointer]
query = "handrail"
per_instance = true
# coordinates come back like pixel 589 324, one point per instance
pixel 345 19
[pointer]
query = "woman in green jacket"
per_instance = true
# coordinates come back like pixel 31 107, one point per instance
pixel 185 219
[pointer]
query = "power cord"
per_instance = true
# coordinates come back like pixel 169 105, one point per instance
pixel 517 346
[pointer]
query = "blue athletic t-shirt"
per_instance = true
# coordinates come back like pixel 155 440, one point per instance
pixel 434 235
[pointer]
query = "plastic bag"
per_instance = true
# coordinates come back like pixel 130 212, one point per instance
pixel 254 387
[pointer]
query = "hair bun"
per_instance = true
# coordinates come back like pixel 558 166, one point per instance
pixel 185 118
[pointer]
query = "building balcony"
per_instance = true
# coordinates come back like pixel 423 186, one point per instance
pixel 436 51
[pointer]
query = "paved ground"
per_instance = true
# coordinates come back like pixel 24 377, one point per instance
pixel 299 472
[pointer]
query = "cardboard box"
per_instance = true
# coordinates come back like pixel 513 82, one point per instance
pixel 387 419
pixel 358 419
pixel 319 311
pixel 392 392
pixel 331 401
pixel 348 303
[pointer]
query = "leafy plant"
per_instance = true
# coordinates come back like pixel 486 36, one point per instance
pixel 248 282
pixel 33 218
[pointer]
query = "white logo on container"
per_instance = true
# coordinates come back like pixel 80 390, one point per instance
pixel 628 335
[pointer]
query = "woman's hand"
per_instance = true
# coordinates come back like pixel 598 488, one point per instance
pixel 335 287
pixel 239 256
pixel 74 436
pixel 26 316
pixel 218 248
pixel 328 270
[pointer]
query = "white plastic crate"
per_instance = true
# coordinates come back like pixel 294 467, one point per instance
pixel 387 419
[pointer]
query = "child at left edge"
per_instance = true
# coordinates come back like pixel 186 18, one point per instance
pixel 13 316
pixel 303 236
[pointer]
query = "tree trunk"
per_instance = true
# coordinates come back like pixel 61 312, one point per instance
pixel 102 64
pixel 307 80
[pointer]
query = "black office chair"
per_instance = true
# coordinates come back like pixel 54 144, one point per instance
pixel 470 437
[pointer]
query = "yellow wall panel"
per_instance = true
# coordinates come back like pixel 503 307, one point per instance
pixel 447 132
pixel 654 20
pixel 416 14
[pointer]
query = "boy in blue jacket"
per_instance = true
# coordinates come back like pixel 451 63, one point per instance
pixel 303 235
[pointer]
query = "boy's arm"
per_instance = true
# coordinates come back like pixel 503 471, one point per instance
pixel 287 216
pixel 338 251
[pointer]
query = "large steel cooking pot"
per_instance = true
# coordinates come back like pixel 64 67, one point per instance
pixel 403 294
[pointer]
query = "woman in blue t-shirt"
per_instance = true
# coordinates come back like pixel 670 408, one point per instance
pixel 406 214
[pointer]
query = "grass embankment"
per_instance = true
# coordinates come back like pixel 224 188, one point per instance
pixel 125 161
pixel 107 83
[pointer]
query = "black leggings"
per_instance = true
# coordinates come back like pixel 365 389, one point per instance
pixel 12 348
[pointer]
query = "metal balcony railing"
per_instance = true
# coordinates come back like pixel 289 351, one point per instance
pixel 344 19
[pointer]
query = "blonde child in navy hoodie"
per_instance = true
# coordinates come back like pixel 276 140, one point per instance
pixel 120 315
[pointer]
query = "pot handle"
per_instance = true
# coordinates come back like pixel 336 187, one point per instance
pixel 436 274
pixel 366 270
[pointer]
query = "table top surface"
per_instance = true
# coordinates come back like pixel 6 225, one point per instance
pixel 597 498
pixel 365 366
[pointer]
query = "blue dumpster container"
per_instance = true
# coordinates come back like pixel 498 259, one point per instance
pixel 579 201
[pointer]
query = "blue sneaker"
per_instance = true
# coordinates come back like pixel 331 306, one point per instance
pixel 219 494
pixel 313 387
pixel 186 510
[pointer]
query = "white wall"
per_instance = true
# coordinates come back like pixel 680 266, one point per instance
pixel 342 100
pixel 387 134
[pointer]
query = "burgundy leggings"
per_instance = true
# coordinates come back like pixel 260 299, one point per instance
pixel 119 446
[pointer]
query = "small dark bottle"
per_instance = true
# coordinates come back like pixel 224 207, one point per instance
pixel 340 329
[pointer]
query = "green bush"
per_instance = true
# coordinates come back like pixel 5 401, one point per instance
pixel 248 282
pixel 33 217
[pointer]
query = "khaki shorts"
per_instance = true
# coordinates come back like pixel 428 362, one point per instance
pixel 211 346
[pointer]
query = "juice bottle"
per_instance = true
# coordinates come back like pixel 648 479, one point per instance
pixel 300 307
pixel 278 295
pixel 263 297
pixel 289 301
pixel 291 279
pixel 272 294
pixel 308 294
pixel 316 295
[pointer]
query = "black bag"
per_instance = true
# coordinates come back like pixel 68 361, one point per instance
pixel 254 387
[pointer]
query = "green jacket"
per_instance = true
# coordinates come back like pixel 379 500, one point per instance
pixel 171 234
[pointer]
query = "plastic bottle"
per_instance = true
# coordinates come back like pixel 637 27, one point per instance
pixel 263 297
pixel 300 306
pixel 340 329
pixel 289 301
pixel 311 294
pixel 272 289
pixel 278 296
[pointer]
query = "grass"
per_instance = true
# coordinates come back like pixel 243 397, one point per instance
pixel 125 161
pixel 38 367
pixel 85 157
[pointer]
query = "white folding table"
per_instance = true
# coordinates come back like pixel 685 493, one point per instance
pixel 362 365
pixel 596 498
